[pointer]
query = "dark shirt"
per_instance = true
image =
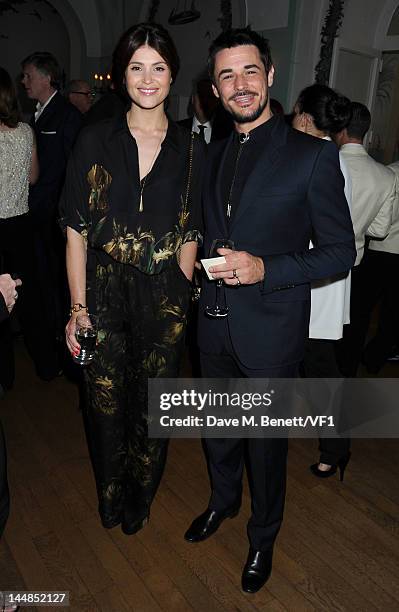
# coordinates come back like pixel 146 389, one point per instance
pixel 235 173
pixel 101 197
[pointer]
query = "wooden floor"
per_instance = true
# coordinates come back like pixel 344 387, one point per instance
pixel 338 548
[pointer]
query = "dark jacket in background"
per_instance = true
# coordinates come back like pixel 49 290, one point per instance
pixel 56 131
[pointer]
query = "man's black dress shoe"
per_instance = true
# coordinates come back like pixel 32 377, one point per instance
pixel 207 523
pixel 257 570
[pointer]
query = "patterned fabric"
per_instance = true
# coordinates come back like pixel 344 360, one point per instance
pixel 101 198
pixel 137 289
pixel 15 161
pixel 142 321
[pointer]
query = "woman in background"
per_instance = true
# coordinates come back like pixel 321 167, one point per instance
pixel 18 168
pixel 320 112
pixel 131 206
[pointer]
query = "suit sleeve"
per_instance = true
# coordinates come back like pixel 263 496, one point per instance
pixel 379 227
pixel 334 249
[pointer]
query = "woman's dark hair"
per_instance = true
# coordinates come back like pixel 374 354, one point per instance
pixel 9 110
pixel 330 111
pixel 236 38
pixel 46 63
pixel 151 34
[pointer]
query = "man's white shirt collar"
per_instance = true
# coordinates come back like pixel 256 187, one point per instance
pixel 208 128
pixel 40 108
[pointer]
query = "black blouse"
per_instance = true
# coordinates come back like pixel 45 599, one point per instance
pixel 101 197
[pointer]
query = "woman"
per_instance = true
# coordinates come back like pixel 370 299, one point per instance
pixel 18 167
pixel 131 206
pixel 320 112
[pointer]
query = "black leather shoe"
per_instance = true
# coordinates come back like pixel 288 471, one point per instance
pixel 257 570
pixel 207 523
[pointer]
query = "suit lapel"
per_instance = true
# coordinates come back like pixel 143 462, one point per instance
pixel 263 169
pixel 47 112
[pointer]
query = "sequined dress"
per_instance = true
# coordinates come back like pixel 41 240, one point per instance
pixel 16 248
pixel 15 161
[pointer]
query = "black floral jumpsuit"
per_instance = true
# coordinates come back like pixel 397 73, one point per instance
pixel 141 297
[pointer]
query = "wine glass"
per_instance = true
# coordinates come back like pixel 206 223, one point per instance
pixel 218 310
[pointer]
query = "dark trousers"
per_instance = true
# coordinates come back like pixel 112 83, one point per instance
pixel 16 250
pixel 266 459
pixel 142 322
pixel 383 269
pixel 375 278
pixel 4 494
pixel 51 291
pixel 320 361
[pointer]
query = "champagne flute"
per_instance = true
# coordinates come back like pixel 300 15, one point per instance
pixel 219 310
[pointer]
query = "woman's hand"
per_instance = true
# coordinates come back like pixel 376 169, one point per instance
pixel 72 343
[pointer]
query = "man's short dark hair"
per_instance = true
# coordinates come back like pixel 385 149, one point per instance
pixel 360 123
pixel 236 38
pixel 46 64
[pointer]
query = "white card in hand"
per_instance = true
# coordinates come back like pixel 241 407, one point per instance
pixel 212 261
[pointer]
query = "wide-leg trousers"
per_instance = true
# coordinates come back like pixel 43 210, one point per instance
pixel 141 326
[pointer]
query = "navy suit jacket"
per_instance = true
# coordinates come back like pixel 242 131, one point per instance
pixel 56 131
pixel 294 194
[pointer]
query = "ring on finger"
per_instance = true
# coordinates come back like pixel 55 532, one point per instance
pixel 238 282
pixel 234 273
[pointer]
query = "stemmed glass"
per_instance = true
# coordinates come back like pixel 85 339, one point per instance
pixel 218 310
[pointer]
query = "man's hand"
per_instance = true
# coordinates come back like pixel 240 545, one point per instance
pixel 8 287
pixel 241 268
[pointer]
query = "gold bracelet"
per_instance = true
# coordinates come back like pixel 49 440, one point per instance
pixel 77 308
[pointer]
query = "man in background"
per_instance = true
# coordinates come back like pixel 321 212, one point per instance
pixel 208 118
pixel 382 267
pixel 373 204
pixel 80 95
pixel 56 124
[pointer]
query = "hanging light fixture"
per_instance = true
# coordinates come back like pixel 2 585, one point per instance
pixel 184 15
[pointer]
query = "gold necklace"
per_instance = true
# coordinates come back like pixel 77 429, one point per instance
pixel 144 180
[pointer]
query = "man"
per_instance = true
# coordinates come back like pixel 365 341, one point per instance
pixel 373 202
pixel 56 124
pixel 382 264
pixel 8 297
pixel 80 95
pixel 269 189
pixel 209 119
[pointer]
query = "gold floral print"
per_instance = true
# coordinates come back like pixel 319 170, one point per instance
pixel 99 180
pixel 154 364
pixel 127 247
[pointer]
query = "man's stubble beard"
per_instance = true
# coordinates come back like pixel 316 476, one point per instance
pixel 238 118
